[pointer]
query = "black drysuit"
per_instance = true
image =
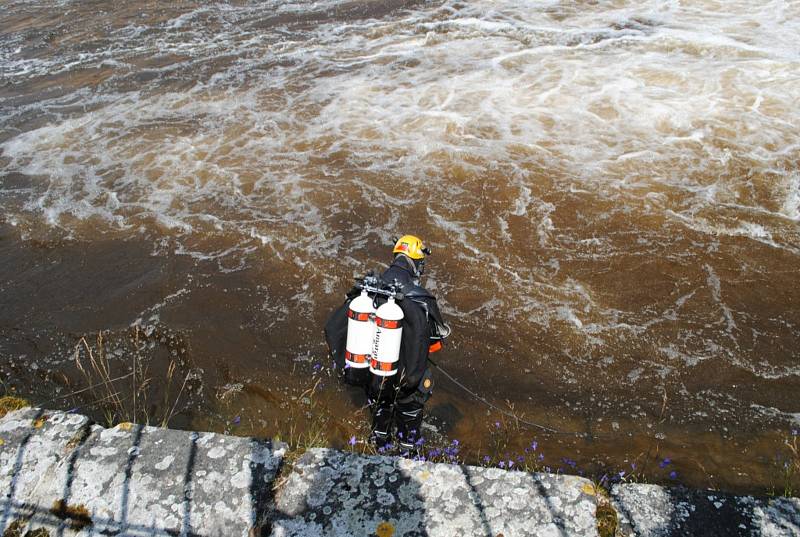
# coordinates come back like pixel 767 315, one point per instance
pixel 400 398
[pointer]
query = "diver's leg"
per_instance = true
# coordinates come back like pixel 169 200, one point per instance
pixel 380 398
pixel 408 414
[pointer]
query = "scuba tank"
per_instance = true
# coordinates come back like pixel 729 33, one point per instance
pixel 360 329
pixel 386 339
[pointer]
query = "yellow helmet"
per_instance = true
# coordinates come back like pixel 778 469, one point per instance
pixel 411 246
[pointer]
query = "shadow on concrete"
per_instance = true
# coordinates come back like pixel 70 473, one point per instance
pixel 262 491
pixel 486 529
pixel 333 493
pixel 61 509
pixel 654 510
pixel 15 472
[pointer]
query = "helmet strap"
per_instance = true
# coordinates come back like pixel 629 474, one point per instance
pixel 416 270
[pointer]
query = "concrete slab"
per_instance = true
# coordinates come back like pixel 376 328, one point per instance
pixel 137 480
pixel 32 444
pixel 331 493
pixel 61 475
pixel 654 511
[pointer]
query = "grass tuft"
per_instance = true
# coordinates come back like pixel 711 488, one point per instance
pixel 791 465
pixel 606 517
pixel 123 389
pixel 78 515
pixel 10 403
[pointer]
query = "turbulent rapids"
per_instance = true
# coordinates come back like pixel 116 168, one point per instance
pixel 611 190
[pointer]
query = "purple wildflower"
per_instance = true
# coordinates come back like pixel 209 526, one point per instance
pixel 633 466
pixel 501 464
pixel 352 441
pixel 795 432
pixel 673 474
pixel 666 462
pixel 486 459
pixel 497 424
pixel 541 456
pixel 237 420
pixel 510 464
pixel 420 441
pixel 455 442
pixel 534 445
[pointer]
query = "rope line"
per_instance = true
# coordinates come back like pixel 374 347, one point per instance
pixel 109 381
pixel 503 411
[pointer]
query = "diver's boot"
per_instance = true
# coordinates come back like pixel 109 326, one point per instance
pixel 409 426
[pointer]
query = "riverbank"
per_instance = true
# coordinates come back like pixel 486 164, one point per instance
pixel 64 475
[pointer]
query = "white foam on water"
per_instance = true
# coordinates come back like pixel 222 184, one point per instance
pixel 482 119
pixel 610 95
pixel 714 285
pixel 791 205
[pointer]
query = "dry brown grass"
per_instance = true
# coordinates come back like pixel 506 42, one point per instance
pixel 126 397
pixel 78 515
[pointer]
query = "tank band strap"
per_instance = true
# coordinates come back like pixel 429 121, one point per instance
pixel 382 366
pixel 387 323
pixel 358 316
pixel 356 358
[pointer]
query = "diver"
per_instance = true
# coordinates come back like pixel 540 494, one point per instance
pixel 381 338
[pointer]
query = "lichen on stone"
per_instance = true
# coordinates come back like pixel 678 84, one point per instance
pixel 384 529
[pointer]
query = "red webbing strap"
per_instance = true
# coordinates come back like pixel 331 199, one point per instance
pixel 387 323
pixel 356 358
pixel 357 316
pixel 382 366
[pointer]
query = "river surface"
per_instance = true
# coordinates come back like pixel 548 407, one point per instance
pixel 611 190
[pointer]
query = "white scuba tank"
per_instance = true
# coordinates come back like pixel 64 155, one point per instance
pixel 360 329
pixel 386 344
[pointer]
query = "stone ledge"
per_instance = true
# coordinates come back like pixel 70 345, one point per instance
pixel 62 475
pixel 332 493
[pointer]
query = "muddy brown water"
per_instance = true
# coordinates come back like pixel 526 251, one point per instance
pixel 611 192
